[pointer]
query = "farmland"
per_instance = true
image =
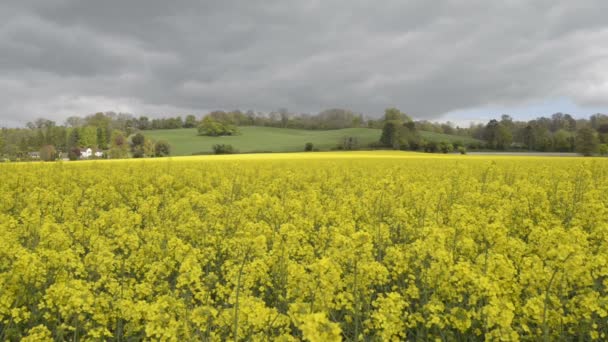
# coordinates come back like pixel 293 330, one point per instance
pixel 317 246
pixel 261 139
pixel 186 142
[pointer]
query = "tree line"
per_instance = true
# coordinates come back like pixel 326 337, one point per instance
pixel 108 135
pixel 113 133
pixel 558 133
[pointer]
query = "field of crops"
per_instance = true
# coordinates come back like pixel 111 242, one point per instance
pixel 320 246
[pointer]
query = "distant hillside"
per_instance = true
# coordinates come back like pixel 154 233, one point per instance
pixel 270 139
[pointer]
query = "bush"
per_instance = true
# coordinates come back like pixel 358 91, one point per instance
pixel 224 149
pixel 603 149
pixel 138 152
pixel 446 147
pixel 350 143
pixel 138 139
pixel 308 147
pixel 476 145
pixel 74 154
pixel 48 153
pixel 462 150
pixel 431 147
pixel 162 149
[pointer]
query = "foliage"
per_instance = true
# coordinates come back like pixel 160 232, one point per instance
pixel 308 147
pixel 215 128
pixel 497 135
pixel 74 154
pixel 259 139
pixel 350 143
pixel 399 131
pixel 162 148
pixel 445 147
pixel 137 145
pixel 586 141
pixel 48 153
pixel 390 134
pixel 352 246
pixel 223 149
pixel 119 148
pixel 190 121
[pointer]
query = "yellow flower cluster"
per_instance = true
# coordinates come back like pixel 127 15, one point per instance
pixel 320 247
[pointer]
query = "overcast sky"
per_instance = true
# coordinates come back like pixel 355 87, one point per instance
pixel 447 60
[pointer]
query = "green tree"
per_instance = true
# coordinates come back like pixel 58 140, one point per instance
pixel 74 138
pixel 408 136
pixel 398 131
pixel 394 114
pixel 190 121
pixel 213 127
pixel 119 148
pixel 603 149
pixel 149 148
pixel 101 138
pixel 497 135
pixel 137 145
pixel 308 147
pixel 586 141
pixel 446 147
pixel 602 132
pixel 390 133
pixel 88 136
pixel 562 141
pixel 284 117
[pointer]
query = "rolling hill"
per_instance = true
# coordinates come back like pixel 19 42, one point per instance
pixel 270 139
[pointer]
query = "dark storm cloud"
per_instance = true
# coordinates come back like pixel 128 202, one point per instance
pixel 64 57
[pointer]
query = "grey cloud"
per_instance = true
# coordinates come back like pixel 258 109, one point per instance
pixel 60 57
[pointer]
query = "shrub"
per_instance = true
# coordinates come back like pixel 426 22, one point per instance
pixel 350 143
pixel 224 149
pixel 138 152
pixel 308 147
pixel 74 154
pixel 48 153
pixel 446 147
pixel 431 147
pixel 474 145
pixel 162 149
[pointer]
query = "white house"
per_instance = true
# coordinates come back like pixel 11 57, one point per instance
pixel 98 154
pixel 86 154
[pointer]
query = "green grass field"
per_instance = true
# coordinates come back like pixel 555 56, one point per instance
pixel 269 139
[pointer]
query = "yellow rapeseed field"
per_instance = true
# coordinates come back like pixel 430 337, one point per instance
pixel 314 246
